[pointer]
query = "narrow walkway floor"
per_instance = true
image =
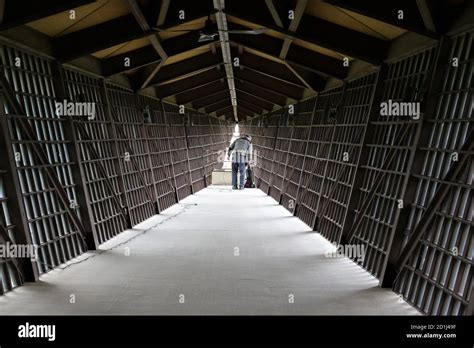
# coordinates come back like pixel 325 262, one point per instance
pixel 217 252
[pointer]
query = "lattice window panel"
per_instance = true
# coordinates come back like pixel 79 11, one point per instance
pixel 214 152
pixel 322 132
pixel 179 154
pixel 297 150
pixel 58 240
pixel 100 140
pixel 9 275
pixel 438 277
pixel 263 131
pixel 350 127
pixel 133 151
pixel 405 78
pixel 280 158
pixel 199 138
pixel 157 129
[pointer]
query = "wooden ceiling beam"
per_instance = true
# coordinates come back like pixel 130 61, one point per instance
pixel 137 12
pixel 184 68
pixel 97 38
pixel 224 110
pixel 195 81
pixel 270 83
pixel 310 60
pixel 250 106
pixel 260 92
pixel 192 10
pixel 209 99
pixel 165 4
pixel 316 31
pixel 193 94
pixel 274 12
pixel 219 105
pixel 19 12
pixel 270 67
pixel 261 103
pixel 147 55
pixel 229 109
pixel 130 60
pixel 115 32
pixel 298 14
pixel 388 12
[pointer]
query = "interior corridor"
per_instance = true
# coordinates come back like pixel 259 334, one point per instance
pixel 218 252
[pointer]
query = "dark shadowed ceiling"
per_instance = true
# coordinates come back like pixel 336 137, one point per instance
pixel 305 43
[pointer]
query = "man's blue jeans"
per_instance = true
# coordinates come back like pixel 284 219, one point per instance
pixel 238 167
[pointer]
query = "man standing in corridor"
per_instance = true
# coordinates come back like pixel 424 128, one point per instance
pixel 240 150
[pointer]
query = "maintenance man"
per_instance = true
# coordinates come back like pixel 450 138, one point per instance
pixel 240 151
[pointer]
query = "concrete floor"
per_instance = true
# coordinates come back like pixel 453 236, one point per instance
pixel 191 256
